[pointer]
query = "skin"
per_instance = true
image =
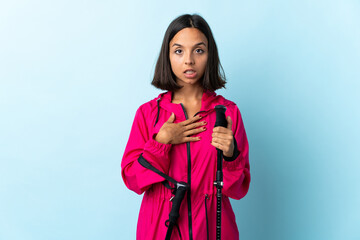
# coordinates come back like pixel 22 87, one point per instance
pixel 185 52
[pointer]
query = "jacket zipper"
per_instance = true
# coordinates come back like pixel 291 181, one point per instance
pixel 189 178
pixel 189 182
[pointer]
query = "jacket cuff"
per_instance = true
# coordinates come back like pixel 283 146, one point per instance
pixel 157 148
pixel 235 153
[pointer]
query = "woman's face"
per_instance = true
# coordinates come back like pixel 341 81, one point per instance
pixel 188 50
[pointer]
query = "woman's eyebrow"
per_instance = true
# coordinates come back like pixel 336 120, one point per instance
pixel 200 43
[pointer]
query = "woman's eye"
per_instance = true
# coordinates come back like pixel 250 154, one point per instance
pixel 199 50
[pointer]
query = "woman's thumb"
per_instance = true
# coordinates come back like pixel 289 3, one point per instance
pixel 171 118
pixel 230 122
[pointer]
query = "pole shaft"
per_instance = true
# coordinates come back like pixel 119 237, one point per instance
pixel 219 182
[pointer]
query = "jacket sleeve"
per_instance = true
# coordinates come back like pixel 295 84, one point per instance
pixel 236 173
pixel 136 177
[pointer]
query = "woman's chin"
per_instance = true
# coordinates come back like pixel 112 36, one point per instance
pixel 188 82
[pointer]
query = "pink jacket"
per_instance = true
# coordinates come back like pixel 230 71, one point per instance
pixel 193 162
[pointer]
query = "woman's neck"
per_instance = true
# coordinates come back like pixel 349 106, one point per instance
pixel 188 93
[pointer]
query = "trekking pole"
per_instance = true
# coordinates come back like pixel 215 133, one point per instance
pixel 220 121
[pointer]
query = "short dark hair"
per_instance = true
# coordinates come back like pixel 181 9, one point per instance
pixel 164 77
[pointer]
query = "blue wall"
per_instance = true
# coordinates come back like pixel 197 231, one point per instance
pixel 73 73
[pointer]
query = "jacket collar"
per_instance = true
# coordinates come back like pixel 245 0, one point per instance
pixel 208 101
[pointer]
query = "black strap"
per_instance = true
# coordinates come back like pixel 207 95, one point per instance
pixel 179 191
pixel 143 162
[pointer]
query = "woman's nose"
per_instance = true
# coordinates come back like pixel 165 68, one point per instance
pixel 189 59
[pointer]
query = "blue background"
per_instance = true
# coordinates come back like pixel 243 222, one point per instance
pixel 73 73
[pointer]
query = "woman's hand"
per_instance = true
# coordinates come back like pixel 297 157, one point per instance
pixel 222 138
pixel 175 133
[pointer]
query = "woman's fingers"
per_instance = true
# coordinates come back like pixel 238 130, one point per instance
pixel 194 125
pixel 191 139
pixel 221 136
pixel 216 144
pixel 191 120
pixel 194 131
pixel 171 118
pixel 222 143
pixel 222 130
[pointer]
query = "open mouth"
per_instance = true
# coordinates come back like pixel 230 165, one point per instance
pixel 190 73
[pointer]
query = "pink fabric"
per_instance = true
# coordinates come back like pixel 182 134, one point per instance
pixel 172 160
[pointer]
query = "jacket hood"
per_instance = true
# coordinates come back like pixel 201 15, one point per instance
pixel 208 102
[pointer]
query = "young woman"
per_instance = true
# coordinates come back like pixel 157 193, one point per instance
pixel 173 136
